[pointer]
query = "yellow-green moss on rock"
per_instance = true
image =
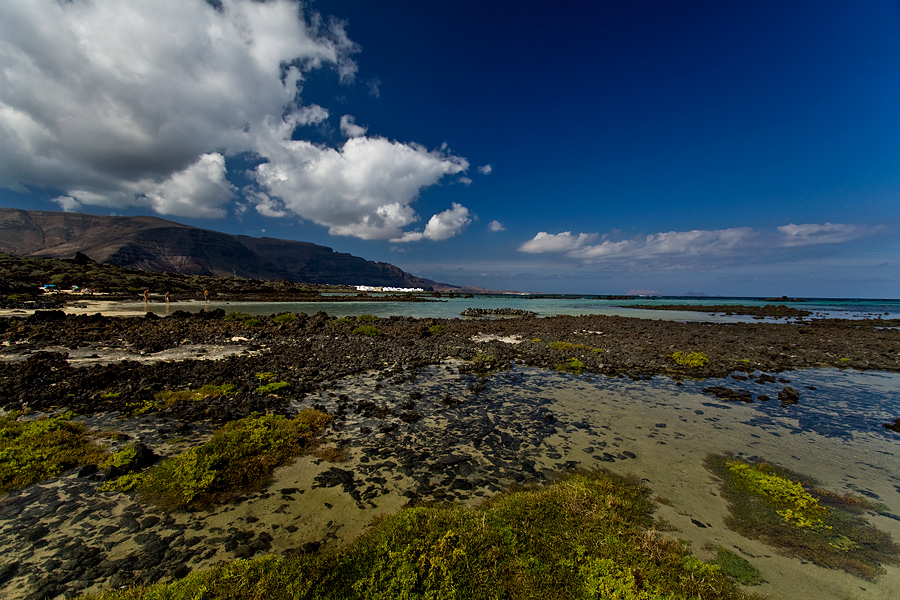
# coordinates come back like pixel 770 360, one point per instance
pixel 788 511
pixel 240 456
pixel 32 450
pixel 589 536
pixel 692 360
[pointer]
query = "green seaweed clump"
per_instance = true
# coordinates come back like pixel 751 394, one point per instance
pixel 584 537
pixel 240 456
pixel 737 567
pixel 123 467
pixel 792 503
pixel 210 390
pixel 573 366
pixel 368 330
pixel 243 318
pixel 142 406
pixel 785 510
pixel 36 449
pixel 272 387
pixel 570 346
pixel 694 359
pixel 285 317
pixel 342 321
pixel 483 361
pixel 123 460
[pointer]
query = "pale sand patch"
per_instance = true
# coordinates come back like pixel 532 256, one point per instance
pixel 112 308
pixel 325 515
pixel 104 355
pixel 670 461
pixel 506 339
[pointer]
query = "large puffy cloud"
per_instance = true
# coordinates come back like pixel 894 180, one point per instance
pixel 441 226
pixel 99 98
pixel 363 189
pixel 138 103
pixel 199 190
pixel 693 249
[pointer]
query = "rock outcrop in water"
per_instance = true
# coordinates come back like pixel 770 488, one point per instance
pixel 497 312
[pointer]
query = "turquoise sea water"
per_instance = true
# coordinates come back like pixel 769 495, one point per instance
pixel 546 306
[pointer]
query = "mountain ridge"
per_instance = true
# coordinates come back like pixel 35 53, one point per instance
pixel 155 244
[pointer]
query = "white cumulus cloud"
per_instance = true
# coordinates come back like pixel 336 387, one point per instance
pixel 695 249
pixel 558 242
pixel 198 190
pixel 824 233
pixel 363 189
pixel 266 205
pixel 496 226
pixel 670 243
pixel 350 129
pixel 139 103
pixel 441 226
pixel 485 169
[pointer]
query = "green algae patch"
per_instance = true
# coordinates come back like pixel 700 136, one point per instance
pixel 168 398
pixel 210 390
pixel 239 457
pixel 483 362
pixel 243 318
pixel 693 359
pixel 737 567
pixel 271 386
pixel 37 449
pixel 284 318
pixel 573 366
pixel 588 536
pixel 786 510
pixel 122 468
pixel 570 346
pixel 124 460
pixel 367 330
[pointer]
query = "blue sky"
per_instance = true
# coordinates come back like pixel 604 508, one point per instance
pixel 728 148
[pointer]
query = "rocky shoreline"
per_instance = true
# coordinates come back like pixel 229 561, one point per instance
pixel 769 310
pixel 37 352
pixel 63 536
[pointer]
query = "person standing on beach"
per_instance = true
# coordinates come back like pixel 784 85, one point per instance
pixel 146 295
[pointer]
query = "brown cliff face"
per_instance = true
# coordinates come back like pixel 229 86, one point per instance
pixel 154 244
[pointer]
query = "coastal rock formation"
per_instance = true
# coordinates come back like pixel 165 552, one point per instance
pixel 154 244
pixel 497 312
